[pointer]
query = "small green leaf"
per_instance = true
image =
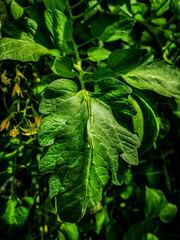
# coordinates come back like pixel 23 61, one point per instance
pixel 117 6
pixel 70 231
pixel 16 214
pixel 158 76
pixel 86 144
pixel 62 66
pixel 151 236
pixel 16 10
pixel 175 8
pixel 111 27
pixel 55 5
pixel 146 123
pixel 168 213
pixel 98 54
pixel 161 6
pixel 138 119
pixel 155 202
pixel 21 50
pixel 158 206
pixel 101 218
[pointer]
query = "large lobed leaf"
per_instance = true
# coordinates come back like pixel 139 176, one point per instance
pixel 86 145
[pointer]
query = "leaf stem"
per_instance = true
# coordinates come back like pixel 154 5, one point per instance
pixel 89 41
pixel 84 13
pixel 77 4
pixel 78 64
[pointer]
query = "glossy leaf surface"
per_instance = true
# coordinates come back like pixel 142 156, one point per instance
pixel 86 144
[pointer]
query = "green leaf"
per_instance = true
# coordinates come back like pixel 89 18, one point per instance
pixel 155 202
pixel 136 231
pixel 158 206
pixel 115 94
pixel 151 236
pixel 55 5
pixel 86 145
pixel 175 8
pixel 70 231
pixel 36 13
pixel 158 76
pixel 160 6
pixel 16 10
pixel 60 27
pixel 62 66
pixel 124 60
pixel 98 54
pixel 16 214
pixel 168 213
pixel 138 119
pixel 111 27
pixel 100 73
pixel 28 30
pixel 146 123
pixel 21 50
pixel 101 218
pixel 117 6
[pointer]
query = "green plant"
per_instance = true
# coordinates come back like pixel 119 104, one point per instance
pixel 99 100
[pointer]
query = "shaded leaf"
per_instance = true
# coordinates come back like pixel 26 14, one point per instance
pixel 111 27
pixel 62 66
pixel 168 213
pixel 175 8
pixel 28 30
pixel 55 5
pixel 113 230
pixel 124 60
pixel 146 123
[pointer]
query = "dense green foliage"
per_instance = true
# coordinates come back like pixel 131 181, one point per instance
pixel 90 119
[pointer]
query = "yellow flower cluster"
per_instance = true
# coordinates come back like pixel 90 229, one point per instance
pixel 33 128
pixel 14 132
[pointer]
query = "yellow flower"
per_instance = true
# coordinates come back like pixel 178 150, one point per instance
pixel 4 125
pixel 14 132
pixel 4 79
pixel 18 77
pixel 37 121
pixel 16 90
pixel 31 130
pixel 3 89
